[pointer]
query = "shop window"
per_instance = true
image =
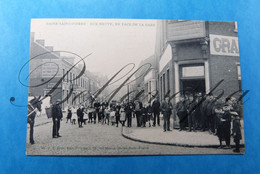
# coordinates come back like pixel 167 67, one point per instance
pixel 192 78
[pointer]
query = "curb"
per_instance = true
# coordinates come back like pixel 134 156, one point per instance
pixel 171 144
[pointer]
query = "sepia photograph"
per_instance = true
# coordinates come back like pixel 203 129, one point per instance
pixel 133 87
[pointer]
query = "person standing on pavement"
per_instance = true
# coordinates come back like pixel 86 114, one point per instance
pixel 204 118
pixel 210 114
pixel 117 114
pixel 236 126
pixel 149 113
pixel 166 111
pixel 80 114
pixel 32 106
pixel 56 118
pixel 143 115
pixel 191 113
pixel 198 112
pixel 138 107
pixel 181 110
pixel 156 111
pixel 107 115
pixel 129 110
pixel 69 115
pixel 74 115
pixel 96 112
pixel 122 115
pixel 91 110
pixel 224 125
pixel 236 132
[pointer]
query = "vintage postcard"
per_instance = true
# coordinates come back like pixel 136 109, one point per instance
pixel 134 87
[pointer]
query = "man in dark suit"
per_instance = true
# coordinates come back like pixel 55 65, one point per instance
pixel 138 107
pixel 156 112
pixel 181 109
pixel 166 111
pixel 96 113
pixel 80 115
pixel 129 109
pixel 56 118
pixel 191 113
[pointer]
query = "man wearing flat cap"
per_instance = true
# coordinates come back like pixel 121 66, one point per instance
pixel 56 117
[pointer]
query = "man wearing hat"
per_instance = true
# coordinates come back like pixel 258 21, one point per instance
pixel 56 117
pixel 156 111
pixel 166 111
pixel 224 124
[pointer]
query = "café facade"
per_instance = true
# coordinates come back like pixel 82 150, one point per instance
pixel 196 56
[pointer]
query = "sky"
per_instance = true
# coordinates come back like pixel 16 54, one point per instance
pixel 112 42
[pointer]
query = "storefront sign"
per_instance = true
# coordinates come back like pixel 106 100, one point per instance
pixel 224 45
pixel 193 71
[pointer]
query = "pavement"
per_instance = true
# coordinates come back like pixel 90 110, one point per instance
pixel 41 120
pixel 97 139
pixel 155 135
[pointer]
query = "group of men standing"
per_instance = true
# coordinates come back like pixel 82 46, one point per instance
pixel 213 114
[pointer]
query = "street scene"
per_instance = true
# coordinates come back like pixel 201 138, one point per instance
pixel 134 87
pixel 104 139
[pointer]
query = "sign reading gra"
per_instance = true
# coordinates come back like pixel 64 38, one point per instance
pixel 223 45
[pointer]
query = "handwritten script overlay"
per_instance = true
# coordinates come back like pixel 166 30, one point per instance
pixel 128 75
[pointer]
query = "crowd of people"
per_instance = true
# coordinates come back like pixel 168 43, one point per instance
pixel 209 113
pixel 194 112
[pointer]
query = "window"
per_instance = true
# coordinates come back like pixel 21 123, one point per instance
pixel 168 80
pixel 238 72
pixel 163 85
pixel 67 96
pixel 235 30
pixel 239 76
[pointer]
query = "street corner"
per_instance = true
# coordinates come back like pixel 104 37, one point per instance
pixel 156 135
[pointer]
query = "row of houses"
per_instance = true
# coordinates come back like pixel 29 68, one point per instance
pixel 48 67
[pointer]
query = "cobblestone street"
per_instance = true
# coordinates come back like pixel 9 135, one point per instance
pixel 96 139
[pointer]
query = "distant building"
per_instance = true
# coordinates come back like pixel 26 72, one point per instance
pixel 47 67
pixel 146 80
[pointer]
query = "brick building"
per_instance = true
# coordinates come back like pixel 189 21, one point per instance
pixel 195 56
pixel 47 67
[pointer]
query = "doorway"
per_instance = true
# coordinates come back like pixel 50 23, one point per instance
pixel 193 85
